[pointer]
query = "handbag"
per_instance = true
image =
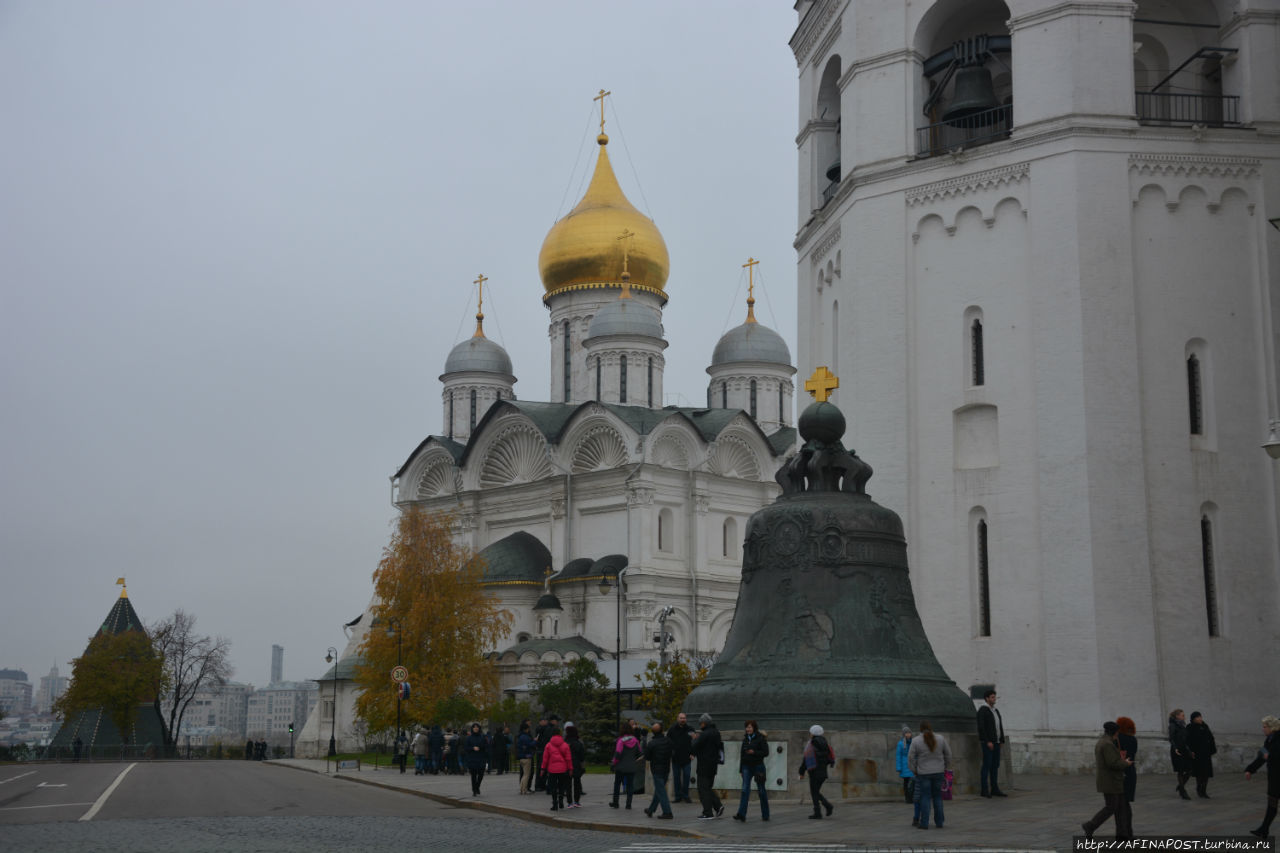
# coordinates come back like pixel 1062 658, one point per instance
pixel 948 780
pixel 758 774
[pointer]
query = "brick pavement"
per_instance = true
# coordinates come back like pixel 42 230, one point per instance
pixel 1040 813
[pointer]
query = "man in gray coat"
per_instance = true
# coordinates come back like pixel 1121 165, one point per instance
pixel 1110 782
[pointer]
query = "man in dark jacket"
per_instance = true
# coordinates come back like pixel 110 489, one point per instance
pixel 707 749
pixel 1110 767
pixel 682 751
pixel 435 749
pixel 657 752
pixel 990 737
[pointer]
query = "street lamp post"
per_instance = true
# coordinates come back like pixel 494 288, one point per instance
pixel 332 658
pixel 393 630
pixel 605 586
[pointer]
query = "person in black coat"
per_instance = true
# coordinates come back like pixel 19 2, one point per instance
pixel 657 754
pixel 1269 755
pixel 475 753
pixel 681 735
pixel 1179 755
pixel 1127 740
pixel 578 752
pixel 435 750
pixel 499 741
pixel 1202 747
pixel 707 747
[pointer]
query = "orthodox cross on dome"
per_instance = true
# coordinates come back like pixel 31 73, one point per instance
pixel 625 239
pixel 480 307
pixel 821 384
pixel 600 97
pixel 751 288
pixel 124 592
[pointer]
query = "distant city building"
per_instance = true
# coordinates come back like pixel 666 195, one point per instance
pixel 217 712
pixel 52 687
pixel 270 711
pixel 15 692
pixel 277 664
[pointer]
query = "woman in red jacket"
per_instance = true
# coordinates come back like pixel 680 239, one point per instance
pixel 557 763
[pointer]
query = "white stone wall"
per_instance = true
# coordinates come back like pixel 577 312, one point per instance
pixel 1097 252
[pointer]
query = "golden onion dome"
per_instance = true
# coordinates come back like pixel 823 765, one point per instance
pixel 583 250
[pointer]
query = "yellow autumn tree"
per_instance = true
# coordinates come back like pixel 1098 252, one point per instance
pixel 435 618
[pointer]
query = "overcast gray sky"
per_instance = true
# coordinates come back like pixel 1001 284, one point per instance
pixel 237 241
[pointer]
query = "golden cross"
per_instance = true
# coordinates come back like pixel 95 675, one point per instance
pixel 625 237
pixel 751 289
pixel 600 97
pixel 480 280
pixel 821 384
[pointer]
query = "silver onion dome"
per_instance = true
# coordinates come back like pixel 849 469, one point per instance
pixel 478 353
pixel 751 342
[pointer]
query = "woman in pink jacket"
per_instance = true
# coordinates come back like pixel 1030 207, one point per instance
pixel 557 763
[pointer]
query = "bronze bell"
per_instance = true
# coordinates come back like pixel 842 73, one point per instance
pixel 974 96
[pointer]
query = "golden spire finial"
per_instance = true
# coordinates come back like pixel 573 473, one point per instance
pixel 602 138
pixel 480 307
pixel 821 384
pixel 751 290
pixel 625 237
pixel 124 592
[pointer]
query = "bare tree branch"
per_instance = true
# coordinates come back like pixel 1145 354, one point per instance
pixel 191 663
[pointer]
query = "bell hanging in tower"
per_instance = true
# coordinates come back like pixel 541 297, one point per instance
pixel 973 99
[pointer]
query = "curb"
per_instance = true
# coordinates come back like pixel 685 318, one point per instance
pixel 507 811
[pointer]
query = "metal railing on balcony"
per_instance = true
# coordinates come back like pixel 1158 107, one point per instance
pixel 974 129
pixel 1179 108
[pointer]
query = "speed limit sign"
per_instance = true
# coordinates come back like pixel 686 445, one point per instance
pixel 399 674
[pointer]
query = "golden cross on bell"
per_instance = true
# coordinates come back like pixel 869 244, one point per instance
pixel 751 289
pixel 600 97
pixel 821 384
pixel 480 280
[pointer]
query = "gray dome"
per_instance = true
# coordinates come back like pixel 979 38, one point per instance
pixel 626 317
pixel 751 342
pixel 478 353
pixel 548 602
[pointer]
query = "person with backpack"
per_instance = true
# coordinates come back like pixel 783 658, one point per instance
pixel 626 761
pixel 708 749
pixel 818 756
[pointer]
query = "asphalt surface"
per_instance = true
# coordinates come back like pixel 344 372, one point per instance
pixel 271 806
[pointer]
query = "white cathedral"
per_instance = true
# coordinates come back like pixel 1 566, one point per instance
pixel 1034 245
pixel 602 485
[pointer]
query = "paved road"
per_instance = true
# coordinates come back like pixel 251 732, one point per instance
pixel 243 806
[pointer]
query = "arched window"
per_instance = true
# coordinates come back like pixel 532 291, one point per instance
pixel 835 331
pixel 666 530
pixel 977 362
pixel 567 361
pixel 1210 580
pixel 724 394
pixel 729 538
pixel 599 371
pixel 708 396
pixel 651 382
pixel 622 380
pixel 782 416
pixel 1195 395
pixel 753 398
pixel 984 579
pixel 450 414
pixel 473 409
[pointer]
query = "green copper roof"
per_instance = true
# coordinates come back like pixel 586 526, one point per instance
pixel 516 559
pixel 563 646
